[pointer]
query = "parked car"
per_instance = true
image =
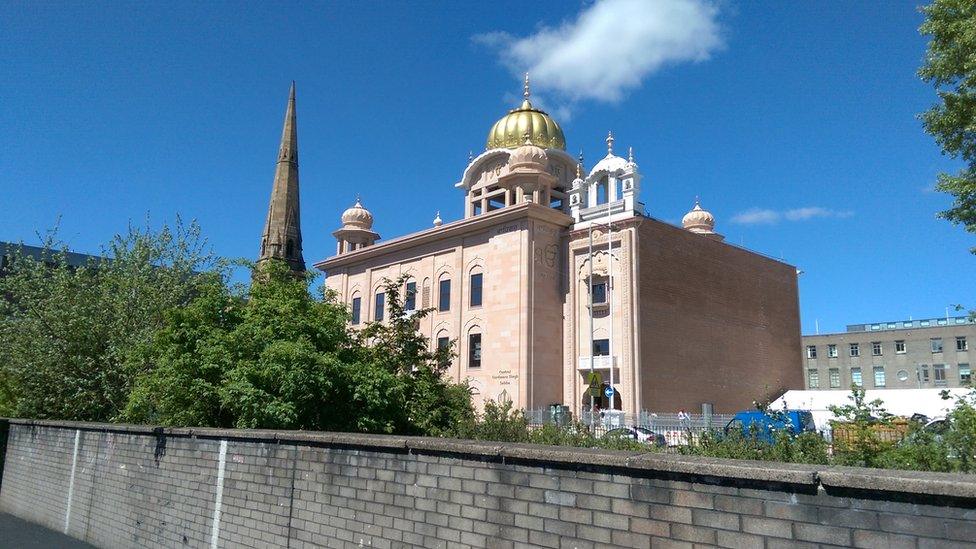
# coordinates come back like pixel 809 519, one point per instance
pixel 640 434
pixel 763 424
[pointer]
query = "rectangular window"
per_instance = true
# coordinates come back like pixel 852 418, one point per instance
pixel 939 371
pixel 855 349
pixel 474 351
pixel 813 379
pixel 356 307
pixel 601 347
pixel 444 295
pixel 410 301
pixel 834 378
pixel 875 348
pixel 900 347
pixel 879 376
pixel 477 280
pixel 856 377
pixel 832 351
pixel 599 293
pixel 965 374
pixel 379 305
pixel 936 344
pixel 443 343
pixel 961 344
pixel 811 351
pixel 923 373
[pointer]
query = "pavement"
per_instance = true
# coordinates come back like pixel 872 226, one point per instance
pixel 20 534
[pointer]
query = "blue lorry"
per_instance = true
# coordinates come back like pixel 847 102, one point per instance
pixel 761 425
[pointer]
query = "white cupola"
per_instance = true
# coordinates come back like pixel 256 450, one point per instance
pixel 700 221
pixel 357 229
pixel 613 186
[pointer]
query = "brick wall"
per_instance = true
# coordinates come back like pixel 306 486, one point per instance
pixel 718 323
pixel 125 486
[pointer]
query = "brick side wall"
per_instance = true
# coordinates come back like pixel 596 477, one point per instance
pixel 136 487
pixel 718 324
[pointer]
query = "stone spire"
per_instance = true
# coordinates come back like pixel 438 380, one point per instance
pixel 282 237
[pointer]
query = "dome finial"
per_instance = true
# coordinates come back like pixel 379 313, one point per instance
pixel 525 87
pixel 630 155
pixel 610 142
pixel 437 219
pixel 579 170
pixel 470 156
pixel 359 202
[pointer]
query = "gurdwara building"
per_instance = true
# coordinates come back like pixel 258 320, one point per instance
pixel 557 272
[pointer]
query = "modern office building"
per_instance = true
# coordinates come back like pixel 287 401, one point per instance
pixel 906 354
pixel 8 250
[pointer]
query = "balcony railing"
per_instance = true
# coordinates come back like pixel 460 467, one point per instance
pixel 599 362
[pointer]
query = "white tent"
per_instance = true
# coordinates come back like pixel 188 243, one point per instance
pixel 900 402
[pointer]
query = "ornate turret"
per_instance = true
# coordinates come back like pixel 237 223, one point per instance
pixel 611 187
pixel 528 173
pixel 508 132
pixel 282 237
pixel 357 229
pixel 700 221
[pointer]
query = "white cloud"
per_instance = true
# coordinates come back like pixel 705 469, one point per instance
pixel 756 216
pixel 611 47
pixel 759 216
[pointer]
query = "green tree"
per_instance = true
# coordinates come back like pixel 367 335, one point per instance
pixel 950 66
pixel 67 332
pixel 277 357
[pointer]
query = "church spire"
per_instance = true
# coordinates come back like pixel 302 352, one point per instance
pixel 282 238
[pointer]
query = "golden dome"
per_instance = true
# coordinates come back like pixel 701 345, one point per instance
pixel 509 132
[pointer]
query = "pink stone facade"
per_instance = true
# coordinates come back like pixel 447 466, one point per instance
pixel 679 318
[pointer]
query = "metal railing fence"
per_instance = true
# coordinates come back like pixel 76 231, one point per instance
pixel 677 429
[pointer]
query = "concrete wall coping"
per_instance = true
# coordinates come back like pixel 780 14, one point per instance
pixel 712 470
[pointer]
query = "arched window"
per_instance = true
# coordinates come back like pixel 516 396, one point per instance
pixel 474 347
pixel 602 191
pixel 476 288
pixel 410 297
pixel 264 246
pixel 444 348
pixel 357 305
pixel 444 293
pixel 379 306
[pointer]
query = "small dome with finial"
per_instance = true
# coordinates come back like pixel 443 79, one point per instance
pixel 508 132
pixel 528 156
pixel 699 220
pixel 357 217
pixel 437 219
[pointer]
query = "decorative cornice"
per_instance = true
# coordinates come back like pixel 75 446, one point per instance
pixel 457 228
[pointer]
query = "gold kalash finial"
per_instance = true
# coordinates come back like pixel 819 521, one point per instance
pixel 525 88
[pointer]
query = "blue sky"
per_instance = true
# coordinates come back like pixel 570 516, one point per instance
pixel 795 123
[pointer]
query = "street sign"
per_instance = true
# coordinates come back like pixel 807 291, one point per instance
pixel 596 384
pixel 594 379
pixel 608 391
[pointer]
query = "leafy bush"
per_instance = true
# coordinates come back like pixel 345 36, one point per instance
pixel 861 446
